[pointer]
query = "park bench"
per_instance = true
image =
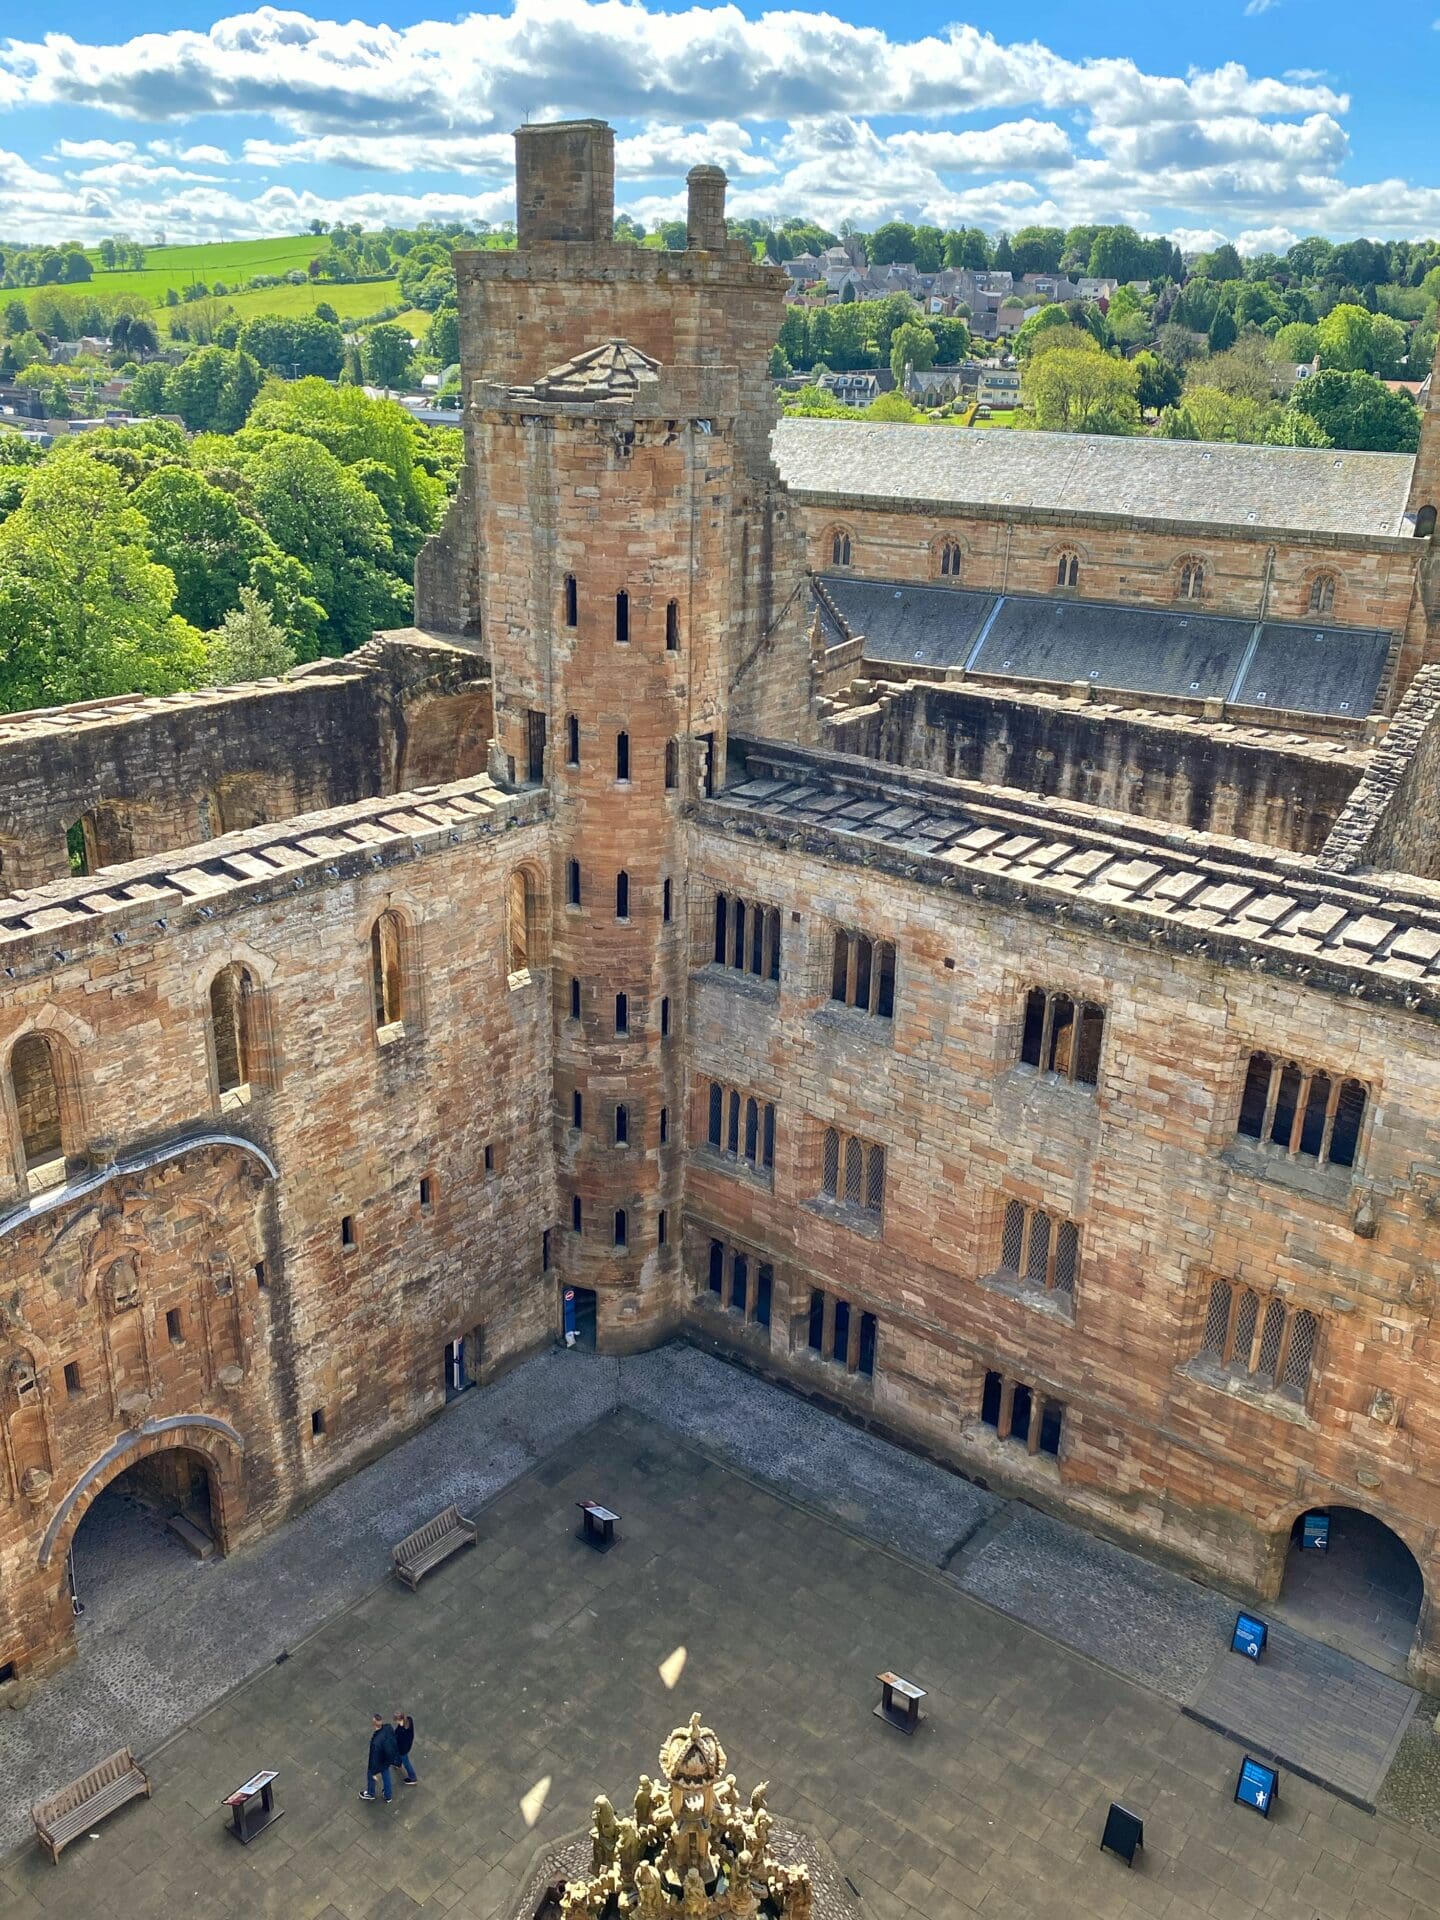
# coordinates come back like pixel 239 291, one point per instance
pixel 75 1809
pixel 430 1544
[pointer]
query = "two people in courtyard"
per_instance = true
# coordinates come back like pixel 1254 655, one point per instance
pixel 390 1746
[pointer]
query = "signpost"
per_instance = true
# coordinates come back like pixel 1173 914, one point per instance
pixel 246 1819
pixel 1249 1636
pixel 1124 1832
pixel 1257 1786
pixel 1315 1533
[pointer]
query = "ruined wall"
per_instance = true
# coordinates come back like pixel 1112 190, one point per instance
pixel 344 1322
pixel 1017 551
pixel 146 775
pixel 1155 1446
pixel 1392 820
pixel 1217 779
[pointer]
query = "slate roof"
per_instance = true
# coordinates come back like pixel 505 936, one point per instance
pixel 1361 935
pixel 1146 650
pixel 1302 489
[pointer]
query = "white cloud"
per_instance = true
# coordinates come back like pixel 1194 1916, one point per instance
pixel 1259 6
pixel 975 129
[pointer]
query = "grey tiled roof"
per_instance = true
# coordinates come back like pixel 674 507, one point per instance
pixel 1301 488
pixel 1188 655
pixel 1376 935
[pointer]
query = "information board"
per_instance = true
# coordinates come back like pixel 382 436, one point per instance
pixel 1257 1785
pixel 1249 1636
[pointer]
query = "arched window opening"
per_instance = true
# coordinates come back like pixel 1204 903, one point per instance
pixel 622 756
pixel 572 739
pixel 35 1084
pixel 622 896
pixel 622 1227
pixel 622 1125
pixel 1425 523
pixel 80 845
pixel 524 927
pixel 1322 594
pixel 1067 570
pixel 1192 579
pixel 572 882
pixel 622 617
pixel 672 626
pixel 572 601
pixel 622 1013
pixel 839 548
pixel 950 559
pixel 229 1028
pixel 672 764
pixel 387 978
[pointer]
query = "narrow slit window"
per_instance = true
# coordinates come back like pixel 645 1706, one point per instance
pixel 672 764
pixel 622 1125
pixel 622 756
pixel 572 601
pixel 622 1013
pixel 572 739
pixel 622 1227
pixel 622 896
pixel 622 617
pixel 672 626
pixel 572 882
pixel 574 998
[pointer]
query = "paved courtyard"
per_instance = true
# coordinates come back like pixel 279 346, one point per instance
pixel 791 1557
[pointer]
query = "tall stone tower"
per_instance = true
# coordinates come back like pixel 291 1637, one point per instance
pixel 623 548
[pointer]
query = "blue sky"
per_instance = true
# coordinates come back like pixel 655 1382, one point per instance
pixel 1258 120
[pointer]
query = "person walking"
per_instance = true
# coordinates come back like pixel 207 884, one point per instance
pixel 404 1741
pixel 384 1754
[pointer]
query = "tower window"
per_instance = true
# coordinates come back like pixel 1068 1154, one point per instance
pixel 667 899
pixel 574 998
pixel 572 882
pixel 577 1110
pixel 622 1126
pixel 576 1217
pixel 622 756
pixel 572 739
pixel 572 601
pixel 622 896
pixel 622 1228
pixel 672 764
pixel 664 1016
pixel 622 617
pixel 622 1013
pixel 672 626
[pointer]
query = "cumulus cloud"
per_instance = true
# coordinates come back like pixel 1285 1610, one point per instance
pixel 971 127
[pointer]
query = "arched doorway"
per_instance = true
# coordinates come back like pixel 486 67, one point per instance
pixel 1361 1593
pixel 144 1534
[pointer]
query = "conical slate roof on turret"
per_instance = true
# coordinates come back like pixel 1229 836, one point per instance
pixel 612 371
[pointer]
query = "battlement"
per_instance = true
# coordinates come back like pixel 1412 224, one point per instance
pixel 41 928
pixel 1375 938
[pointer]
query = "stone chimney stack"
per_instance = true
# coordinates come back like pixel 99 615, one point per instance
pixel 565 183
pixel 705 214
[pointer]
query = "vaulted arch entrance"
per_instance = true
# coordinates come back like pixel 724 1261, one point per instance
pixel 143 1535
pixel 1362 1592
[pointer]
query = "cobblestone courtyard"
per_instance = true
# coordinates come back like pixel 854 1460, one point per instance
pixel 532 1660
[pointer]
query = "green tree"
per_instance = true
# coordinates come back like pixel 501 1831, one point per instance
pixel 213 390
pixel 1224 264
pixel 85 611
pixel 1023 345
pixel 1223 331
pixel 1157 382
pixel 1037 249
pixel 249 644
pixel 385 354
pixel 198 532
pixel 1297 429
pixel 911 344
pixel 890 407
pixel 1356 411
pixel 442 336
pixel 1081 390
pixel 929 249
pixel 893 241
pixel 1298 343
pixel 1344 338
pixel 296 346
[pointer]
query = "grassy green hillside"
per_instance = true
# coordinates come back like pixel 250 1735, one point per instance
pixel 229 260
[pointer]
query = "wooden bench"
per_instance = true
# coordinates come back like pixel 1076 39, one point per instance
pixel 430 1544
pixel 75 1809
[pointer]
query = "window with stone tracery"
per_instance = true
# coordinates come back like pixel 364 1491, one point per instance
pixel 1305 1112
pixel 1260 1338
pixel 852 1172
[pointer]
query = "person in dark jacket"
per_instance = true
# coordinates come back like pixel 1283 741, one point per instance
pixel 404 1741
pixel 384 1754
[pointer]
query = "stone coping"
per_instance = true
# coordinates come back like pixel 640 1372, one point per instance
pixel 238 869
pixel 1222 900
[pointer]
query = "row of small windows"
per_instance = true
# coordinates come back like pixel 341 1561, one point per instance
pixel 575 892
pixel 620 1124
pixel 1189 575
pixel 838 1331
pixel 622 1010
pixel 1041 1251
pixel 1309 1114
pixel 1062 1035
pixel 571 596
pixel 747 937
pixel 862 973
pixel 619 1225
pixel 741 1282
pixel 1258 1339
pixel 741 1126
pixel 622 754
pixel 852 1172
pixel 1021 1413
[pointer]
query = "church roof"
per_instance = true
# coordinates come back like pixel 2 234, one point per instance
pixel 1304 489
pixel 1178 652
pixel 611 371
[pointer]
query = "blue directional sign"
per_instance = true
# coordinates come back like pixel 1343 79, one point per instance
pixel 1257 1786
pixel 1249 1636
pixel 1315 1533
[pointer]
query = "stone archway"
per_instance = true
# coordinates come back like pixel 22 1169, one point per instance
pixel 170 1449
pixel 1364 1593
